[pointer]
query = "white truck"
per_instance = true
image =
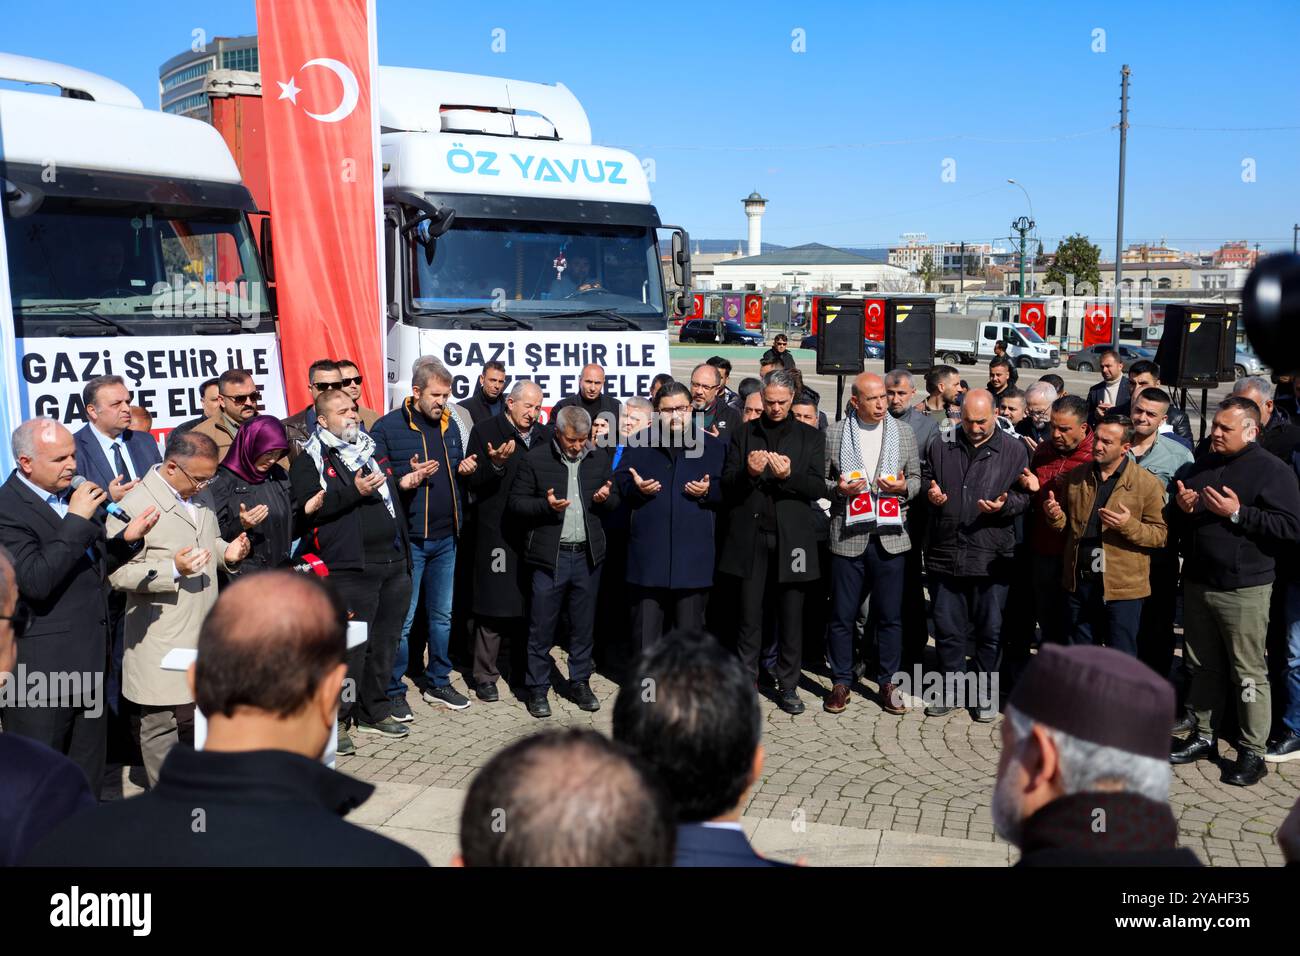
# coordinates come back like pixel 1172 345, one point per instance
pixel 962 340
pixel 126 250
pixel 509 236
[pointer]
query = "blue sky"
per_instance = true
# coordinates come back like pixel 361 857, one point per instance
pixel 849 139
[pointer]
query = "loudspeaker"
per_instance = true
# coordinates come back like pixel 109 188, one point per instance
pixel 909 334
pixel 841 331
pixel 1199 346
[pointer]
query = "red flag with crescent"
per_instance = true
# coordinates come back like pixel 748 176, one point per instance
pixel 753 311
pixel 318 62
pixel 875 319
pixel 698 312
pixel 1096 324
pixel 1034 315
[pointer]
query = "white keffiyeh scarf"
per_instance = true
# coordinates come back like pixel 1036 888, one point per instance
pixel 355 456
pixel 851 451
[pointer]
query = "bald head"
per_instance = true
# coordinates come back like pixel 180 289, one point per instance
pixel 45 453
pixel 593 382
pixel 567 798
pixel 1259 391
pixel 868 397
pixel 272 652
pixel 977 418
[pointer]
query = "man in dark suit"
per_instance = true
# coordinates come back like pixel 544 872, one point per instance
pixel 62 558
pixel 1112 391
pixel 39 788
pixel 772 475
pixel 488 398
pixel 114 457
pixel 700 731
pixel 561 486
pixel 258 787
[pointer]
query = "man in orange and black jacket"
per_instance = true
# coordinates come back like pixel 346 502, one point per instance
pixel 420 431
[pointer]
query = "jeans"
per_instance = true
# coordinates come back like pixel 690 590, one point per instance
pixel 433 569
pixel 1291 687
pixel 1094 620
pixel 573 585
pixel 879 574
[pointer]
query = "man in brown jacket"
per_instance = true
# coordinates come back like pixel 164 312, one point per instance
pixel 239 401
pixel 1113 516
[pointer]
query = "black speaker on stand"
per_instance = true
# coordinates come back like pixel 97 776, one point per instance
pixel 909 334
pixel 841 331
pixel 1198 349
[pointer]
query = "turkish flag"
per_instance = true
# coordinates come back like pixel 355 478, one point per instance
pixel 812 316
pixel 753 311
pixel 698 312
pixel 1096 325
pixel 318 62
pixel 875 323
pixel 1034 315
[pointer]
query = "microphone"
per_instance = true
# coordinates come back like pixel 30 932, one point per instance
pixel 311 564
pixel 111 506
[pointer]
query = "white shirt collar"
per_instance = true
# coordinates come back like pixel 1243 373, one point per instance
pixel 107 444
pixel 36 489
pixel 723 825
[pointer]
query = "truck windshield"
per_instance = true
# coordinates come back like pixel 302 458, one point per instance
pixel 535 268
pixel 131 264
pixel 1029 335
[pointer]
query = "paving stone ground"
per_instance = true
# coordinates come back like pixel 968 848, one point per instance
pixel 886 789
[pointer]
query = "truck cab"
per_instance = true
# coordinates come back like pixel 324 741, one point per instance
pixel 509 236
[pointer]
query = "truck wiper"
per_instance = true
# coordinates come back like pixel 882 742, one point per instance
pixel 603 313
pixel 82 309
pixel 513 320
pixel 500 320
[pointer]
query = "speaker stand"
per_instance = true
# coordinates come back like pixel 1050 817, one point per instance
pixel 839 397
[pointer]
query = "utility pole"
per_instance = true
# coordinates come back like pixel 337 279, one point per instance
pixel 1022 225
pixel 1119 217
pixel 962 274
pixel 1295 235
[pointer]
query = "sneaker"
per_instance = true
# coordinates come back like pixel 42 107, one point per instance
pixel 385 728
pixel 1288 748
pixel 790 702
pixel 346 747
pixel 487 691
pixel 402 711
pixel 538 705
pixel 580 693
pixel 448 696
pixel 1195 748
pixel 1185 726
pixel 1249 770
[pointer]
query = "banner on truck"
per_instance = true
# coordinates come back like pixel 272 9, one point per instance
pixel 162 376
pixel 11 408
pixel 318 64
pixel 553 360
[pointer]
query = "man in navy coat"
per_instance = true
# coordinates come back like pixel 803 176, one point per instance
pixel 672 493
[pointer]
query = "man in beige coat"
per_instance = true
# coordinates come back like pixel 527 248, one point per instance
pixel 171 584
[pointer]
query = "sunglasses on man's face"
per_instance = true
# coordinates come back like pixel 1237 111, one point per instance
pixel 354 380
pixel 19 620
pixel 328 386
pixel 250 398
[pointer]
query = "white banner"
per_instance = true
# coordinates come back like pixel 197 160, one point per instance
pixel 554 360
pixel 163 374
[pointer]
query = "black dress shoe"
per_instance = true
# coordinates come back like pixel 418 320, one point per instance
pixel 487 691
pixel 538 705
pixel 580 693
pixel 1288 748
pixel 790 702
pixel 1185 726
pixel 1249 769
pixel 1196 748
pixel 938 710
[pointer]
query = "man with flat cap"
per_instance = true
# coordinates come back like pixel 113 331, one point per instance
pixel 1084 775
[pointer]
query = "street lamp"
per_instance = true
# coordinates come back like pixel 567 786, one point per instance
pixel 1023 225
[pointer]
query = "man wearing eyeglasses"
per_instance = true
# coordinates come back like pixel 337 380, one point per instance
pixel 239 402
pixel 712 415
pixel 350 382
pixel 62 557
pixel 323 376
pixel 170 586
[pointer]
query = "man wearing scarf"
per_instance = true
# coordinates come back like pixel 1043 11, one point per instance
pixel 347 505
pixel 1083 778
pixel 772 475
pixel 873 454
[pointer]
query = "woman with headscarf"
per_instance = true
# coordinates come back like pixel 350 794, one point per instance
pixel 252 495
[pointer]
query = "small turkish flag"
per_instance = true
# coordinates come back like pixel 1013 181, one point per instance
pixel 1096 325
pixel 1034 315
pixel 861 508
pixel 698 313
pixel 875 319
pixel 889 512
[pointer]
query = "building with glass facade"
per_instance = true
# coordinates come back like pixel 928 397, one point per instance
pixel 181 79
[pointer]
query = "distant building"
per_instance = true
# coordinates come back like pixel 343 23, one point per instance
pixel 1158 279
pixel 946 256
pixel 1235 254
pixel 1143 252
pixel 181 79
pixel 812 268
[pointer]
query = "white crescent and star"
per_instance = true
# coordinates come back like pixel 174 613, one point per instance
pixel 351 90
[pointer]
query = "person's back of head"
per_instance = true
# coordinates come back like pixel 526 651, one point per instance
pixel 566 798
pixel 271 662
pixel 691 711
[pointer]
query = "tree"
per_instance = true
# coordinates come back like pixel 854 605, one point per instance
pixel 927 271
pixel 1077 257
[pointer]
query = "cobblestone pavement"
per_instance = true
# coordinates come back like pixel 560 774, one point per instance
pixel 911 778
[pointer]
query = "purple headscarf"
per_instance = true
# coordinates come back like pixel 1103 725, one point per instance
pixel 257 436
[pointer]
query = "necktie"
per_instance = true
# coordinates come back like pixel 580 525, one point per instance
pixel 119 462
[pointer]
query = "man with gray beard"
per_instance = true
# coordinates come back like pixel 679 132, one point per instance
pixel 1083 779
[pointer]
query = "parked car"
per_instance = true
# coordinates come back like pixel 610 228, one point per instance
pixel 1089 359
pixel 706 330
pixel 1248 363
pixel 870 349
